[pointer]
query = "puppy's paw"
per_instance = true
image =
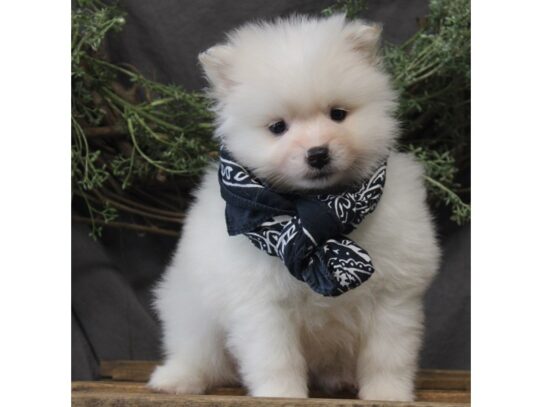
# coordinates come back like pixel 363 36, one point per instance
pixel 170 379
pixel 387 389
pixel 279 388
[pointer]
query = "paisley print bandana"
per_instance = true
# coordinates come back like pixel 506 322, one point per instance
pixel 306 232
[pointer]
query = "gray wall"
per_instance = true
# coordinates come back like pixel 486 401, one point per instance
pixel 163 37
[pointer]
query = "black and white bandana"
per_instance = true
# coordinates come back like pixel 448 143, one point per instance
pixel 305 232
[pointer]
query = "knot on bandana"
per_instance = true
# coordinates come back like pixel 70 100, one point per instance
pixel 305 232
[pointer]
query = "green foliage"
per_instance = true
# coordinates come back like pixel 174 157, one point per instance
pixel 441 170
pixel 431 71
pixel 132 133
pixel 129 131
pixel 352 8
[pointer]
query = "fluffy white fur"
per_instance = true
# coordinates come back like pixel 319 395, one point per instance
pixel 232 313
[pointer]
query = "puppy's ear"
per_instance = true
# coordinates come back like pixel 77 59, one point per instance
pixel 364 37
pixel 216 63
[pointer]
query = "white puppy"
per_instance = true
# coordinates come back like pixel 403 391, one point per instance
pixel 231 312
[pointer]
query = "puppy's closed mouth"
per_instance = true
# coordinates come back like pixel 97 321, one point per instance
pixel 319 175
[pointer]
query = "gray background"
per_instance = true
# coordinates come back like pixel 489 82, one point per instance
pixel 111 279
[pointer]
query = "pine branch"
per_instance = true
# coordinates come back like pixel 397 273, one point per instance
pixel 123 225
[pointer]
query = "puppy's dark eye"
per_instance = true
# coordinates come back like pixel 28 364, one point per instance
pixel 337 114
pixel 278 127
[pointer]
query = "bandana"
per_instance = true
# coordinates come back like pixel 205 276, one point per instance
pixel 305 231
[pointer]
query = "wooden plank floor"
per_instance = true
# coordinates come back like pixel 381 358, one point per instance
pixel 123 385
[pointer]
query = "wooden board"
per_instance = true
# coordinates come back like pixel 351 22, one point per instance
pixel 124 386
pixel 140 371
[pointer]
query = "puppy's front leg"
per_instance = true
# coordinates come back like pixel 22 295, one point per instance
pixel 266 343
pixel 389 353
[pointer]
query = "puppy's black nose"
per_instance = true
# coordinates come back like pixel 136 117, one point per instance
pixel 318 157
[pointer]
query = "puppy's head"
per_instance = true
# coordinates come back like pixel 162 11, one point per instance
pixel 303 102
